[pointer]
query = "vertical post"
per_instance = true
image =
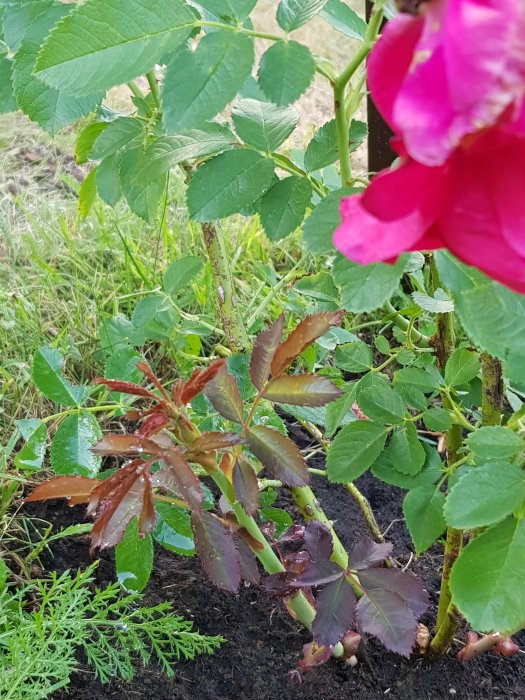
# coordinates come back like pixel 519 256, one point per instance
pixel 380 155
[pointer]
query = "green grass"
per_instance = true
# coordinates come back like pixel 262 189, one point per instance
pixel 59 274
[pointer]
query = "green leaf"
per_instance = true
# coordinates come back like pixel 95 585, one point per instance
pixel 292 14
pixel 19 17
pixel 440 303
pixel 283 207
pixel 278 516
pixel 122 364
pixel 382 404
pixel 263 125
pixel 86 139
pixel 173 529
pixel 420 379
pixel 70 452
pixel 7 98
pixel 168 151
pixel 134 559
pixel 354 449
pixel 47 374
pixel 107 179
pixel 423 511
pixel 199 84
pixel 236 9
pixel 487 579
pixel 485 495
pixel 405 451
pixel 50 108
pixel 462 366
pixel 118 134
pixel 340 411
pixel 494 442
pixel 101 44
pixel 32 454
pixel 227 183
pixel 437 419
pixel 322 222
pixel 344 19
pixel 432 470
pixel 87 193
pixel 3 575
pixel 365 288
pixel 143 197
pixel 286 71
pixel 354 357
pixel 180 273
pixel 323 148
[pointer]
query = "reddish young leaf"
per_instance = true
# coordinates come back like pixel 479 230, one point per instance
pixel 310 328
pixel 366 553
pixel 263 351
pixel 278 454
pixel 224 396
pixel 318 573
pixel 217 551
pixel 116 444
pixel 177 476
pixel 116 501
pixel 406 585
pixel 318 541
pixel 254 544
pixel 296 562
pixel 147 516
pixel 314 655
pixel 215 440
pixel 249 569
pixel 386 616
pixel 335 614
pixel 154 423
pixel 246 486
pixel 277 585
pixel 74 488
pixel 184 392
pixel 126 388
pixel 301 390
pixel 295 533
pixel 146 370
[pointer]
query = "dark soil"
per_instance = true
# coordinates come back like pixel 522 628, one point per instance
pixel 264 644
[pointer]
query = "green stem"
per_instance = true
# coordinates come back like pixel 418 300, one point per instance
pixel 233 326
pixel 366 510
pixel 153 86
pixel 374 25
pixel 341 128
pixel 84 409
pixel 137 92
pixel 239 30
pixel 404 324
pixel 275 290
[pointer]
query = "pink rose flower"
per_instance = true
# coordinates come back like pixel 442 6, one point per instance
pixel 451 84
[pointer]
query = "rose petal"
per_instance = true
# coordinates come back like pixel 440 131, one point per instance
pixel 365 239
pixel 396 193
pixel 390 60
pixel 471 224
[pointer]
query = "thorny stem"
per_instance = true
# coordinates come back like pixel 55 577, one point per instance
pixel 270 561
pixel 153 86
pixel 492 390
pixel 447 621
pixel 234 329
